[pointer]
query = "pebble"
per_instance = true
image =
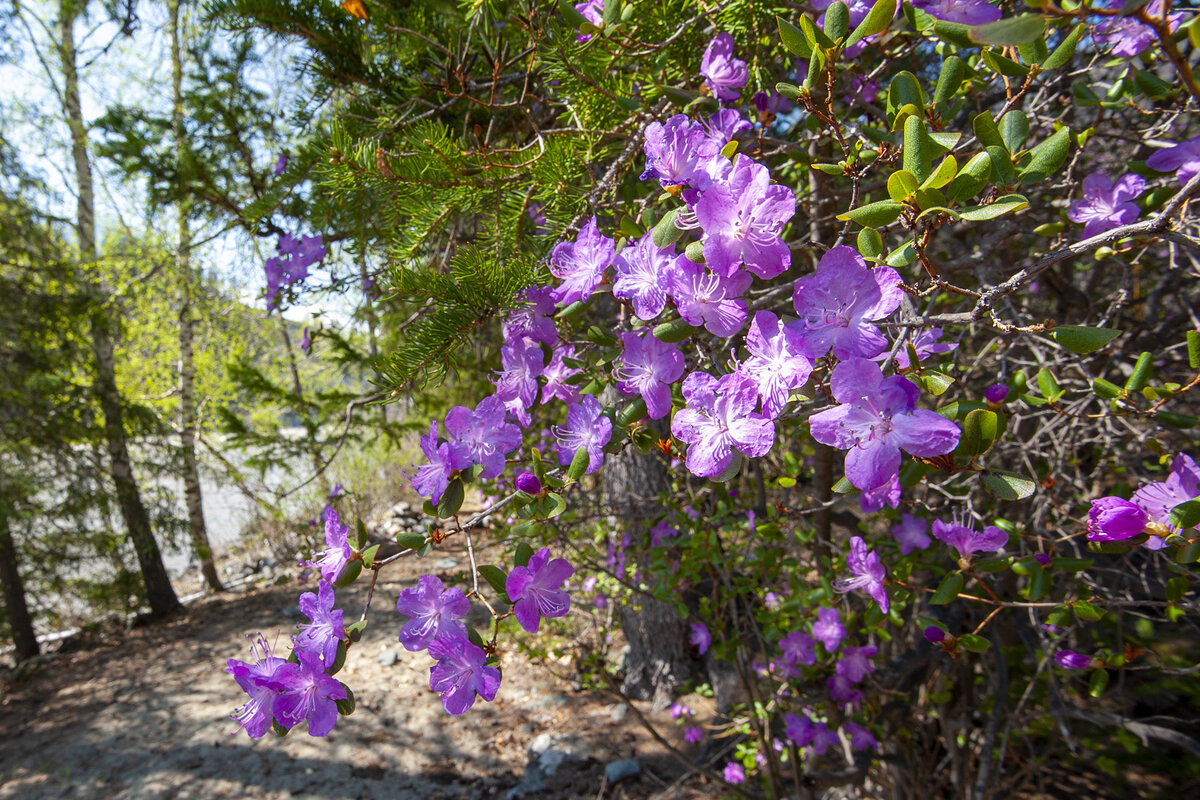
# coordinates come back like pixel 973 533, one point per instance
pixel 387 658
pixel 619 770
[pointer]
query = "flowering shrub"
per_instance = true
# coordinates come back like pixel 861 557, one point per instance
pixel 776 289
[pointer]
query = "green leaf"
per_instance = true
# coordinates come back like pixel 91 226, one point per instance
pixel 935 383
pixel 347 704
pixel 1186 515
pixel 1047 385
pixel 579 464
pixel 793 39
pixel 1086 611
pixel 1008 32
pixel 1142 370
pixel 1152 85
pixel 495 578
pixel 1193 348
pixel 1003 172
pixel 870 243
pixel 876 21
pixel 986 131
pixel 361 530
pixel 904 90
pixel 1047 157
pixel 368 555
pixel 1002 65
pixel 902 256
pixel 452 499
pixel 1039 585
pixel 973 643
pixel 666 233
pixel 837 20
pixel 526 527
pixel 954 70
pixel 1081 339
pixel 1176 588
pixel 522 555
pixel 971 179
pixel 1098 682
pixel 998 564
pixel 918 149
pixel 354 630
pixel 953 32
pixel 410 541
pixel 814 34
pixel 349 573
pixel 948 590
pixel 873 215
pixel 901 185
pixel 729 149
pixel 694 252
pixel 1106 390
pixel 979 432
pixel 1066 48
pixel 572 310
pixel 942 175
pixel 1007 204
pixel 1008 486
pixel 1014 129
pixel 1182 421
pixel 633 412
pixel 789 90
pixel 674 331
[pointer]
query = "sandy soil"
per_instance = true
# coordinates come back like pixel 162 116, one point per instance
pixel 144 714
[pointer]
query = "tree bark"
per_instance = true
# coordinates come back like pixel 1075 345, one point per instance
pixel 159 592
pixel 19 621
pixel 187 365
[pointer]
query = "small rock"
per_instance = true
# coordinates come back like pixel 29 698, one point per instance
pixel 619 712
pixel 443 564
pixel 548 752
pixel 387 658
pixel 619 770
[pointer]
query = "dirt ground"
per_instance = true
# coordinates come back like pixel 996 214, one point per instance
pixel 144 713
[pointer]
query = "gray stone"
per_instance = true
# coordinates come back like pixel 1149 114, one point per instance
pixel 619 712
pixel 445 564
pixel 549 751
pixel 387 658
pixel 619 770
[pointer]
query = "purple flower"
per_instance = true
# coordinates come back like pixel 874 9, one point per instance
pixel 719 418
pixel 1043 558
pixel 523 362
pixel 709 300
pixel 995 395
pixel 700 637
pixel 306 341
pixel 1105 206
pixel 734 773
pixel 823 739
pixel 838 302
pixel 1069 659
pixel 256 680
pixel 866 572
pixel 863 90
pixel 1128 36
pixel 774 366
pixel 1183 158
pixel 693 735
pixel 878 417
pixel 742 218
pixel 964 12
pixel 724 74
pixel 925 343
pixel 337 550
pixel 586 427
pixel 912 533
pixel 662 532
pixel 460 673
pixel 772 601
pixel 643 275
pixel 886 493
pixel 1182 484
pixel 648 367
pixel 799 730
pixel 536 589
pixel 679 710
pixel 321 635
pixel 307 695
pixel 678 152
pixel 485 434
pixel 829 628
pixel 533 318
pixel 281 164
pixel 841 690
pixel 580 265
pixel 960 535
pixel 860 737
pixel 528 483
pixel 798 647
pixel 433 611
pixel 557 373
pixel 855 663
pixel 723 126
pixel 1112 519
pixel 934 634
pixel 444 459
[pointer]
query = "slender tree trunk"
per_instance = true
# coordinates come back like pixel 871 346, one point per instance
pixel 187 365
pixel 158 586
pixel 19 621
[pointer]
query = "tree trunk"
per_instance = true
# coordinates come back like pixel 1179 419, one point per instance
pixel 187 365
pixel 660 657
pixel 158 586
pixel 19 621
